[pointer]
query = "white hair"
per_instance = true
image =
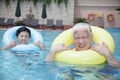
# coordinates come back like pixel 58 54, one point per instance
pixel 81 25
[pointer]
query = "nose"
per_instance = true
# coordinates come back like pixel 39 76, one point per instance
pixel 23 38
pixel 81 40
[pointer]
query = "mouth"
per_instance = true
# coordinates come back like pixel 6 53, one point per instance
pixel 23 42
pixel 81 46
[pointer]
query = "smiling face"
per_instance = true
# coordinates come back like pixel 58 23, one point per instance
pixel 82 38
pixel 23 34
pixel 23 37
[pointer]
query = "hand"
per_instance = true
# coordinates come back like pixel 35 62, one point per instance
pixel 10 45
pixel 38 43
pixel 50 57
pixel 54 49
pixel 102 49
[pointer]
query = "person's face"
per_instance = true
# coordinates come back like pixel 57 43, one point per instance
pixel 23 37
pixel 82 39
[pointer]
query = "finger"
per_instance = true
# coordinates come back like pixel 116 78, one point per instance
pixel 94 49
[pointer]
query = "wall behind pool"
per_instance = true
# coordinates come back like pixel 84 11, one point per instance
pixel 101 8
pixel 53 11
pixel 75 9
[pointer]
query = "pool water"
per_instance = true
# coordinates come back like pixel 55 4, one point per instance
pixel 32 66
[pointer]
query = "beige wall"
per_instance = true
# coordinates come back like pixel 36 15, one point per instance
pixel 53 11
pixel 79 8
pixel 104 7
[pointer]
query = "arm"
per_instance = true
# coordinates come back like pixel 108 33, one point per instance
pixel 54 49
pixel 112 61
pixel 10 45
pixel 104 50
pixel 39 44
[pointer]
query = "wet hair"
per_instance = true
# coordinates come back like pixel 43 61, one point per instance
pixel 79 25
pixel 23 29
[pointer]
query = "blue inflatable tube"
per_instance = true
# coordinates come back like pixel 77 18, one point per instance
pixel 10 35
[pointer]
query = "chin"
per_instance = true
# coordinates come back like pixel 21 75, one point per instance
pixel 80 49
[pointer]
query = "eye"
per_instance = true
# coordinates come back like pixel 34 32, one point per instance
pixel 84 37
pixel 77 38
pixel 27 36
pixel 21 35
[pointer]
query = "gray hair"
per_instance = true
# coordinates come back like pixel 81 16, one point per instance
pixel 79 25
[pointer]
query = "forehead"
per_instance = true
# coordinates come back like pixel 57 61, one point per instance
pixel 81 33
pixel 24 33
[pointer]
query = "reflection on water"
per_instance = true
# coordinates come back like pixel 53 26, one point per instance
pixel 19 66
pixel 32 66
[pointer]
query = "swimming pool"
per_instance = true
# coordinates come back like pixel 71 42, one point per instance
pixel 30 66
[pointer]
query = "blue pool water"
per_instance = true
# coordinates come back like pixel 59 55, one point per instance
pixel 30 66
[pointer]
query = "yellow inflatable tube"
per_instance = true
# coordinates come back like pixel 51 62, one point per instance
pixel 86 56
